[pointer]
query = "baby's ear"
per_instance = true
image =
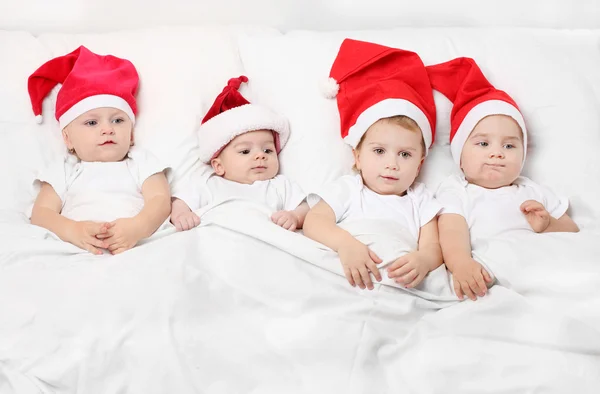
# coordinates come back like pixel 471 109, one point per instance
pixel 66 139
pixel 356 159
pixel 217 166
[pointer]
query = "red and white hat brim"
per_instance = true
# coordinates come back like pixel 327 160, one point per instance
pixel 385 109
pixel 93 102
pixel 480 111
pixel 221 129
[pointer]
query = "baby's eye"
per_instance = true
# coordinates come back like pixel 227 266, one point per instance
pixel 245 151
pixel 118 120
pixel 483 143
pixel 405 155
pixel 509 146
pixel 268 151
pixel 378 151
pixel 91 123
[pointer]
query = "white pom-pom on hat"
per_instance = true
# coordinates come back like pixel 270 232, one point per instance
pixel 330 88
pixel 39 119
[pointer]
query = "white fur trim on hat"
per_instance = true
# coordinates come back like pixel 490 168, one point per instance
pixel 330 88
pixel 480 111
pixel 93 102
pixel 385 109
pixel 218 131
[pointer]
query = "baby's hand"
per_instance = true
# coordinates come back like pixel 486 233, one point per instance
pixel 469 279
pixel 185 221
pixel 86 235
pixel 357 260
pixel 409 270
pixel 123 235
pixel 536 214
pixel 286 219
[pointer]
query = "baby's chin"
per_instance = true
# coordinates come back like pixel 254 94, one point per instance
pixel 250 178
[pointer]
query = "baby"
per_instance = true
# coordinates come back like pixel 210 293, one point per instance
pixel 387 116
pixel 104 195
pixel 241 141
pixel 488 142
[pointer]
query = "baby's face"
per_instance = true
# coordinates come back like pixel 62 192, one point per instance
pixel 248 158
pixel 492 156
pixel 389 158
pixel 101 134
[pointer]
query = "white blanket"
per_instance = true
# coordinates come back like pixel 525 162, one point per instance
pixel 239 305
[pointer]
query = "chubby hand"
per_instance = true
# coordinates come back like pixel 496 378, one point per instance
pixel 470 278
pixel 123 234
pixel 536 214
pixel 409 270
pixel 185 221
pixel 357 260
pixel 87 235
pixel 286 219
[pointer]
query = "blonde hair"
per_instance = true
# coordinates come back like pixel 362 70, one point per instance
pixel 399 120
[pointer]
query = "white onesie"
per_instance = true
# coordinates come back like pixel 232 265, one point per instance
pixel 350 199
pixel 489 212
pixel 102 191
pixel 278 193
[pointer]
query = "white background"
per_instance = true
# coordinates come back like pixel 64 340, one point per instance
pixel 109 15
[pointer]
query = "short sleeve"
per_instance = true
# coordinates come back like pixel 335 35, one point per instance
pixel 452 196
pixel 193 188
pixel 338 194
pixel 555 205
pixel 57 175
pixel 290 193
pixel 143 164
pixel 427 205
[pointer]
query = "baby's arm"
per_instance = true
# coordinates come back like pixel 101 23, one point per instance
pixel 563 224
pixel 182 216
pixel 412 268
pixel 127 232
pixel 541 221
pixel 357 259
pixel 46 214
pixel 468 275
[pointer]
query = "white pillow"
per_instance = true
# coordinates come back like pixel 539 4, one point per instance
pixel 553 75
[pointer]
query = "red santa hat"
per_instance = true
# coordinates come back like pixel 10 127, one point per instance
pixel 88 81
pixel 474 98
pixel 232 115
pixel 373 81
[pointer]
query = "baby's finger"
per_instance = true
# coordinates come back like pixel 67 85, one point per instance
pixel 415 282
pixel 458 290
pixel 374 270
pixel 374 257
pixel 282 219
pixel 98 243
pixel 364 273
pixel 103 236
pixel 178 225
pixel 196 220
pixel 357 278
pixel 482 288
pixel 401 271
pixel 276 216
pixel 467 290
pixel 190 222
pixel 349 277
pixel 486 276
pixel 91 249
pixel 119 250
pixel 407 278
pixel 474 285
